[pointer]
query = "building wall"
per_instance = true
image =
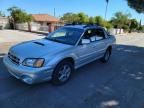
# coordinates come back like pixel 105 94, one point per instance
pixel 36 26
pixel 116 31
pixel 4 23
pixel 22 26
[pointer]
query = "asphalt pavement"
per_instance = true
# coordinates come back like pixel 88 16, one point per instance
pixel 116 84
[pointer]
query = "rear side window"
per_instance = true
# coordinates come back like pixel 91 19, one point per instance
pixel 94 34
pixel 99 33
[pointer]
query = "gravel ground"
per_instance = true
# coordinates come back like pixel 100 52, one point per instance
pixel 17 36
pixel 11 37
pixel 131 39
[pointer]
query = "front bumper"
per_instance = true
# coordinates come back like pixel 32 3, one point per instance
pixel 28 75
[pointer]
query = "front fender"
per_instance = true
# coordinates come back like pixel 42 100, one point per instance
pixel 58 58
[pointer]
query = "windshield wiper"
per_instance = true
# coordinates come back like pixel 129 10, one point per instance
pixel 55 40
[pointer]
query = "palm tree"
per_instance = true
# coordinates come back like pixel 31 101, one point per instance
pixel 107 2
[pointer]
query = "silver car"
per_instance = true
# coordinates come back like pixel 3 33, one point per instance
pixel 56 56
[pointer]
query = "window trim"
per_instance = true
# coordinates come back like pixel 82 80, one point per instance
pixel 79 41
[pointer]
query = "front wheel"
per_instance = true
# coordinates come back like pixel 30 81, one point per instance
pixel 106 56
pixel 62 73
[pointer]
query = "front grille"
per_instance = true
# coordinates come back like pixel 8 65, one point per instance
pixel 14 59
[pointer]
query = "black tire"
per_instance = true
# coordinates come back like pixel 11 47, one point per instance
pixel 58 72
pixel 106 56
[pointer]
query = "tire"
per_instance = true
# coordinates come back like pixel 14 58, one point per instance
pixel 106 56
pixel 60 76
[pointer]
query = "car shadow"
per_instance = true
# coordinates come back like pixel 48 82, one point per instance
pixel 127 64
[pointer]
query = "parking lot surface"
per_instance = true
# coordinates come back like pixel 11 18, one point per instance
pixel 116 84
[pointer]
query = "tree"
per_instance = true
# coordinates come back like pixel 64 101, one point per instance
pixel 83 18
pixel 99 20
pixel 66 17
pixel 138 5
pixel 107 25
pixel 70 18
pixel 133 25
pixel 19 16
pixel 92 20
pixel 75 18
pixel 102 22
pixel 2 14
pixel 120 19
pixel 141 28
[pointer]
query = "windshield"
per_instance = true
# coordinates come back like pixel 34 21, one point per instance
pixel 66 35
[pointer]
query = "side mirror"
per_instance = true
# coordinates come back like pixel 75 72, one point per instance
pixel 85 41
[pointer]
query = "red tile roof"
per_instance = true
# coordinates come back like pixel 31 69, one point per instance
pixel 44 18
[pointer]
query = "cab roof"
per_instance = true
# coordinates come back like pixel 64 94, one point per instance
pixel 82 26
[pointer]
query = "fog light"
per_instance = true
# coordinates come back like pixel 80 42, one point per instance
pixel 27 79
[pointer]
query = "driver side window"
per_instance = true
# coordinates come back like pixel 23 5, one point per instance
pixel 99 34
pixel 88 34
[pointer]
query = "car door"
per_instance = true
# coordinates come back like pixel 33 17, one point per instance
pixel 85 52
pixel 99 45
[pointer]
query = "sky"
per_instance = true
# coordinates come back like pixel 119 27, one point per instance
pixel 90 7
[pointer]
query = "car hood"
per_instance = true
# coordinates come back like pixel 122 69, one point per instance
pixel 38 48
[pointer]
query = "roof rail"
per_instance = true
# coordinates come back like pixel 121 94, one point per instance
pixel 74 23
pixel 91 25
pixel 67 24
pixel 84 25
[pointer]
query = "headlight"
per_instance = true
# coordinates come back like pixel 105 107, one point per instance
pixel 33 62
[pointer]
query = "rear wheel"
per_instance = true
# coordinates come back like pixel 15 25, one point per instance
pixel 62 73
pixel 106 56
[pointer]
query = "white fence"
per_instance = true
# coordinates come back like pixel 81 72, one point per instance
pixel 4 23
pixel 39 28
pixel 23 26
pixel 116 31
pixel 34 27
